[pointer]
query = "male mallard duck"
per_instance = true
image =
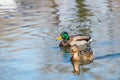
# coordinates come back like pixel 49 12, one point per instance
pixel 84 56
pixel 68 41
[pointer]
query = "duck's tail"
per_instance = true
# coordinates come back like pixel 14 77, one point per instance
pixel 90 40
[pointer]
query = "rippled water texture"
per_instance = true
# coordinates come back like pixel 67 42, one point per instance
pixel 28 29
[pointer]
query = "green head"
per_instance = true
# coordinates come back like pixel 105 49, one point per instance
pixel 65 36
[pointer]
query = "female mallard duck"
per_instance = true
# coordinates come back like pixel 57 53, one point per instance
pixel 68 41
pixel 84 56
pixel 80 57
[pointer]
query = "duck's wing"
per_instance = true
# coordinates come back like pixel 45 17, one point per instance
pixel 80 38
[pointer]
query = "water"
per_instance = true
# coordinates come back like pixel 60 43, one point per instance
pixel 28 29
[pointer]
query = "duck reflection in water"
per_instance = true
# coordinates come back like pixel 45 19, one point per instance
pixel 80 57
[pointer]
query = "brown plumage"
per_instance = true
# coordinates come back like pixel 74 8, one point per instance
pixel 80 57
pixel 84 56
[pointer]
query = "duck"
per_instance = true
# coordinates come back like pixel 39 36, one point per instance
pixel 80 57
pixel 68 41
pixel 83 56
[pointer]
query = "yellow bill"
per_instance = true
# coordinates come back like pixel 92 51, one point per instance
pixel 59 38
